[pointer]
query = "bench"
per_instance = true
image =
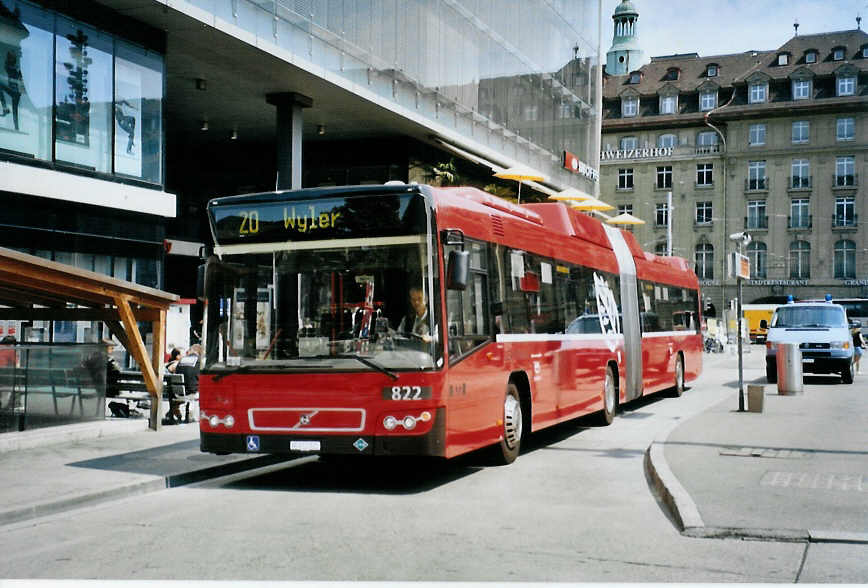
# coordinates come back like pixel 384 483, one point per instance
pixel 131 388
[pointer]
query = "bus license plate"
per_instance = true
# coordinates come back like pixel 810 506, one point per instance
pixel 808 360
pixel 304 445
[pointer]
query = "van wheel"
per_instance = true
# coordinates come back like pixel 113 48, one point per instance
pixel 847 374
pixel 610 398
pixel 513 426
pixel 679 376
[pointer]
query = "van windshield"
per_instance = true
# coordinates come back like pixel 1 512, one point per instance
pixel 809 316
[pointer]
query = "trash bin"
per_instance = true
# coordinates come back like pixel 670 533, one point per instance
pixel 789 364
pixel 755 395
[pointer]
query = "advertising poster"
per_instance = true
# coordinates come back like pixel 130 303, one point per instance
pixel 127 117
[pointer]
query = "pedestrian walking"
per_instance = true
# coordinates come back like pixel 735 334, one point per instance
pixel 858 346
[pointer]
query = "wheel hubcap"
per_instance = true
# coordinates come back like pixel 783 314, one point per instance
pixel 610 393
pixel 511 421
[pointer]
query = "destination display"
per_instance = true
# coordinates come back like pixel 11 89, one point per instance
pixel 382 215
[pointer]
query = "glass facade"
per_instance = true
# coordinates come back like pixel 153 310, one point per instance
pixel 518 76
pixel 99 107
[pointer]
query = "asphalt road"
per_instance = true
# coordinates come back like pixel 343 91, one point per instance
pixel 575 507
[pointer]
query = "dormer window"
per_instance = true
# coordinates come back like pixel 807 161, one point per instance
pixel 629 106
pixel 864 50
pixel 811 57
pixel 668 104
pixel 711 70
pixel 783 58
pixel 846 85
pixel 672 74
pixel 707 100
pixel 801 89
pixel 757 92
pixel 838 53
pixel 635 77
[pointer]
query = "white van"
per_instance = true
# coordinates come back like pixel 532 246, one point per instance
pixel 823 333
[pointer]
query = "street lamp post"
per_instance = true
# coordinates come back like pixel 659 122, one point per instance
pixel 742 239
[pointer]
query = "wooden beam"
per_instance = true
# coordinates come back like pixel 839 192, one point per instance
pixel 158 330
pixel 75 314
pixel 118 331
pixel 140 354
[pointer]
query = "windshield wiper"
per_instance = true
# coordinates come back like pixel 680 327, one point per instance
pixel 369 363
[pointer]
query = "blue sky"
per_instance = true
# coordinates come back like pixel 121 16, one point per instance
pixel 715 27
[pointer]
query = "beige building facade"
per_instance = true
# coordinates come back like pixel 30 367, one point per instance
pixel 770 143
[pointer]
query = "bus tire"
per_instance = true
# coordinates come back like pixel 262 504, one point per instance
pixel 678 389
pixel 513 426
pixel 847 374
pixel 610 398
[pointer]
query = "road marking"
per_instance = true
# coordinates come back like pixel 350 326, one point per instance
pixel 765 452
pixel 816 481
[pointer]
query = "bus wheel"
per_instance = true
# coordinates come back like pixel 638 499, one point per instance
pixel 679 376
pixel 610 398
pixel 510 444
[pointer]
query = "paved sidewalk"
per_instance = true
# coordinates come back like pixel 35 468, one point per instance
pixel 52 470
pixel 797 471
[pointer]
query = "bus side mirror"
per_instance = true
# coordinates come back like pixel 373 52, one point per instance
pixel 855 324
pixel 764 324
pixel 457 269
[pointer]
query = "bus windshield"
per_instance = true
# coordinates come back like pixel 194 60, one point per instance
pixel 358 305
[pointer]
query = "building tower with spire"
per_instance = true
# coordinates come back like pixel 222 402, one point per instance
pixel 625 55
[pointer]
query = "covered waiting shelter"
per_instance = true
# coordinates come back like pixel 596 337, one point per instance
pixel 32 288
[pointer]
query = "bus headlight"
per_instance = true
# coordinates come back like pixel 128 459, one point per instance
pixel 229 421
pixel 839 345
pixel 390 423
pixel 409 422
pixel 214 421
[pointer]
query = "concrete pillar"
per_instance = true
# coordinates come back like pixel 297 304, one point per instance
pixel 289 127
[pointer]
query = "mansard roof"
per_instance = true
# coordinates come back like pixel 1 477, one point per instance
pixel 735 68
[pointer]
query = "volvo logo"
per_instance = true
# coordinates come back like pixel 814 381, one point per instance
pixel 305 419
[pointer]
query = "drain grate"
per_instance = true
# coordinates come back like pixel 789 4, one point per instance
pixel 764 452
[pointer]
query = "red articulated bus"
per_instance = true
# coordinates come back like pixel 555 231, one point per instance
pixel 413 320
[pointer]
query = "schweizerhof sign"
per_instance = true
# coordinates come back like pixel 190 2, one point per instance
pixel 636 153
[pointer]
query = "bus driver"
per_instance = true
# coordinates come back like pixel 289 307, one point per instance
pixel 415 323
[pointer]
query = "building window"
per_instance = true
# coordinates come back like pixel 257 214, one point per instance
pixel 801 174
pixel 845 259
pixel 704 174
pixel 811 57
pixel 672 74
pixel 801 89
pixel 756 175
pixel 757 93
pixel 838 53
pixel 635 77
pixel 81 96
pixel 845 174
pixel 664 176
pixel 846 85
pixel 800 213
pixel 704 259
pixel 783 59
pixel 757 253
pixel 707 100
pixel 845 212
pixel 660 248
pixel 800 260
pixel 661 216
pixel 625 178
pixel 756 215
pixel 625 209
pixel 703 213
pixel 629 107
pixel 706 139
pixel 757 134
pixel 845 129
pixel 628 143
pixel 668 140
pixel 801 131
pixel 668 104
pixel 711 71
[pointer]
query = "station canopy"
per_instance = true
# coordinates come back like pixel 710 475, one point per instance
pixel 32 288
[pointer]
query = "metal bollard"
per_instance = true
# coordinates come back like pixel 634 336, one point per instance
pixel 789 364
